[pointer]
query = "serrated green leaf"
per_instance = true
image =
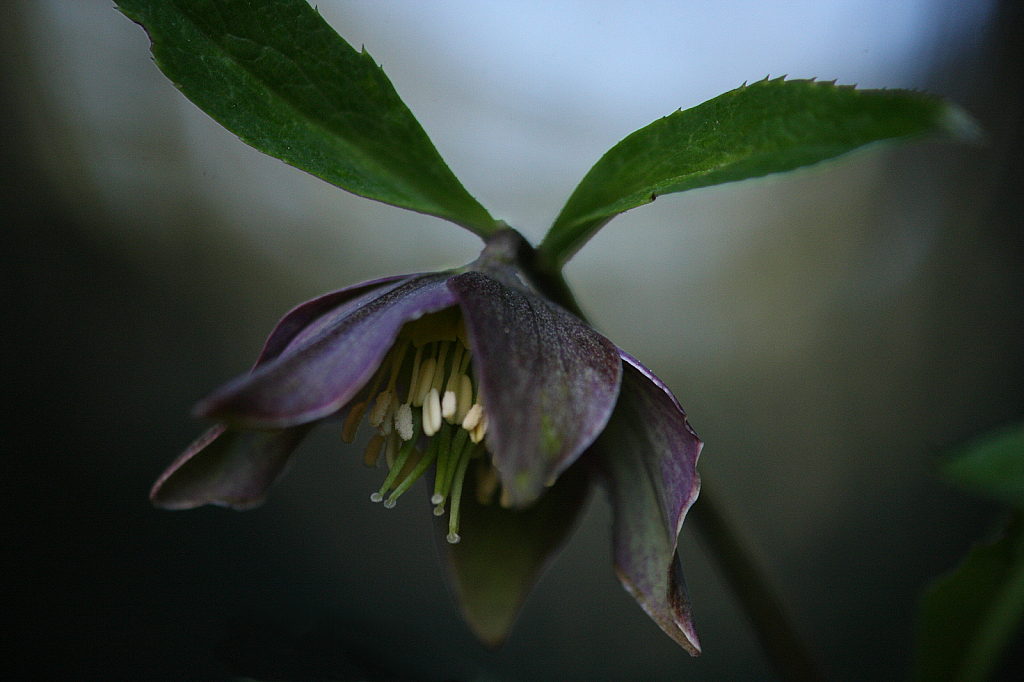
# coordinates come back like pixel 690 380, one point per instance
pixel 968 617
pixel 277 75
pixel 767 127
pixel 992 465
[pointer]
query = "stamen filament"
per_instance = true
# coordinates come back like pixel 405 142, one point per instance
pixel 396 363
pixel 453 375
pixel 414 379
pixel 443 461
pixel 459 444
pixel 425 380
pixel 414 475
pixel 453 514
pixel 438 378
pixel 372 452
pixel 465 398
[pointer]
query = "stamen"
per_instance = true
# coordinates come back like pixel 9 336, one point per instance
pixel 442 353
pixel 453 514
pixel 372 452
pixel 473 417
pixel 478 432
pixel 396 362
pixel 426 378
pixel 449 405
pixel 431 413
pixel 414 378
pixel 421 467
pixel 403 422
pixel 396 466
pixel 391 443
pixel 380 409
pixel 453 376
pixel 452 422
pixel 465 398
pixel 459 444
pixel 444 456
pixel 351 425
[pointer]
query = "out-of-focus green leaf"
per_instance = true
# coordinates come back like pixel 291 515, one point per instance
pixel 277 75
pixel 767 127
pixel 992 465
pixel 969 616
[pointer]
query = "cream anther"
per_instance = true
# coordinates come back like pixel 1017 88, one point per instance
pixel 431 413
pixel 473 417
pixel 449 405
pixel 476 434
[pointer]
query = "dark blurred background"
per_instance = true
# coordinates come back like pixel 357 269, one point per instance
pixel 829 332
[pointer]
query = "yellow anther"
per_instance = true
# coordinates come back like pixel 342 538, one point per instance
pixel 431 413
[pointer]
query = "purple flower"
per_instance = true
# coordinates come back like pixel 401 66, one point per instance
pixel 513 403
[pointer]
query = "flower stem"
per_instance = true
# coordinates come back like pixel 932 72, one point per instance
pixel 785 649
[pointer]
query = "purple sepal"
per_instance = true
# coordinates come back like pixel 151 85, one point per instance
pixel 327 361
pixel 647 457
pixel 549 382
pixel 226 467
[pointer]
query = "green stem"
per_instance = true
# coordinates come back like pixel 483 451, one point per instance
pixel 785 649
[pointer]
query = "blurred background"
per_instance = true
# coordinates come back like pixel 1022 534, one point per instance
pixel 830 332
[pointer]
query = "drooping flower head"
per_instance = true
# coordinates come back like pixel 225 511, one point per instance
pixel 512 402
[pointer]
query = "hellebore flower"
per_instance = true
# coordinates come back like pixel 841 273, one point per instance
pixel 515 403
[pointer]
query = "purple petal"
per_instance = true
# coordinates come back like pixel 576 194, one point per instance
pixel 548 381
pixel 503 551
pixel 226 467
pixel 648 454
pixel 325 363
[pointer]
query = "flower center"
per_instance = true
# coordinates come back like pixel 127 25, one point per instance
pixel 428 412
